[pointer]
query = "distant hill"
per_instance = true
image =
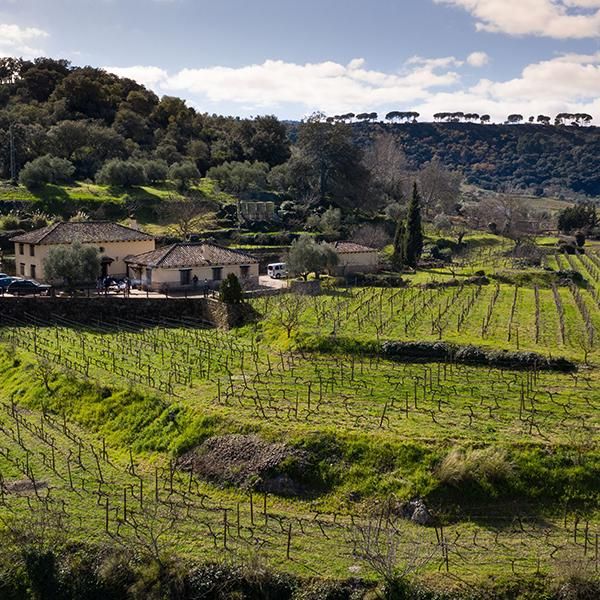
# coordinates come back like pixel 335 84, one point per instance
pixel 89 117
pixel 540 159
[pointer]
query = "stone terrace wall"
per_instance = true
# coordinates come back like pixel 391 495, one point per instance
pixel 90 310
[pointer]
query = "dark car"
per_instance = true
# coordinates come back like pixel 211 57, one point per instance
pixel 25 287
pixel 6 281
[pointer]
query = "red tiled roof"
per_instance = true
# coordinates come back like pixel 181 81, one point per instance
pixel 189 255
pixel 85 232
pixel 351 248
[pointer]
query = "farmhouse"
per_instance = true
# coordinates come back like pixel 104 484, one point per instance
pixel 114 242
pixel 355 258
pixel 189 264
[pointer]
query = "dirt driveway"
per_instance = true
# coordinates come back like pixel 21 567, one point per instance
pixel 266 281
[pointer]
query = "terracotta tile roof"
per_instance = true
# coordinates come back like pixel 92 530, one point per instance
pixel 84 232
pixel 177 256
pixel 351 248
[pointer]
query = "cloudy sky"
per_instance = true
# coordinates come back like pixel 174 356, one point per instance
pixel 292 57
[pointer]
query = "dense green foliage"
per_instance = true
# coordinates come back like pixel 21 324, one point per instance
pixel 46 169
pixel 536 158
pixel 72 264
pixel 231 291
pixel 582 216
pixel 413 241
pixel 89 116
pixel 308 256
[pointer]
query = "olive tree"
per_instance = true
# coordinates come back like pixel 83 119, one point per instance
pixel 46 169
pixel 72 264
pixel 308 256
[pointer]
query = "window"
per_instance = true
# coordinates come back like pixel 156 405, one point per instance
pixel 31 250
pixel 21 248
pixel 148 276
pixel 22 269
pixel 217 273
pixel 32 268
pixel 185 276
pixel 245 271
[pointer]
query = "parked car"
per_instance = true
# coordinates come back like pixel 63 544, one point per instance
pixel 277 270
pixel 26 287
pixel 6 281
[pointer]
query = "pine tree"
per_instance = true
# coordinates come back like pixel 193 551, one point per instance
pixel 414 230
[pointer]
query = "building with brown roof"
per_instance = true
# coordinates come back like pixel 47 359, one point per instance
pixel 356 258
pixel 191 265
pixel 114 242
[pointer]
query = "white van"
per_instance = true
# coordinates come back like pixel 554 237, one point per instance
pixel 277 270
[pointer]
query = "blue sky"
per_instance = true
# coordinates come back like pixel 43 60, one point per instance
pixel 290 58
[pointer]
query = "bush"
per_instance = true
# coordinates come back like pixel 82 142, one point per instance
pixel 184 174
pixel 122 173
pixel 155 170
pixel 479 466
pixel 240 177
pixel 376 279
pixel 231 291
pixel 442 351
pixel 10 222
pixel 46 169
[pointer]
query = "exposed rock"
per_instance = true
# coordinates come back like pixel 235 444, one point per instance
pixel 416 511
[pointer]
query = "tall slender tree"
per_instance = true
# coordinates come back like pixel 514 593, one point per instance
pixel 399 255
pixel 414 230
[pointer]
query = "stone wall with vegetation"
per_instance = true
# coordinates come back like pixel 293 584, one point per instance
pixel 91 310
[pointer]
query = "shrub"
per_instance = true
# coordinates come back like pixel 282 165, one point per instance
pixel 155 170
pixel 240 177
pixel 482 465
pixel 231 291
pixel 184 174
pixel 46 169
pixel 123 173
pixel 10 222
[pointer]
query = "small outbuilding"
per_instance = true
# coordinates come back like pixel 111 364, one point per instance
pixel 189 265
pixel 356 258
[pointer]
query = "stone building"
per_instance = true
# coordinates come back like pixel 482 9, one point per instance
pixel 189 265
pixel 114 242
pixel 356 258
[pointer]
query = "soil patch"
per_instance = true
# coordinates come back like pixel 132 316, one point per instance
pixel 24 487
pixel 247 461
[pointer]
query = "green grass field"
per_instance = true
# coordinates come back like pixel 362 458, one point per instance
pixel 93 416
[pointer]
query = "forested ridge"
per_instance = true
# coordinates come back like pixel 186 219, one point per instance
pixel 540 158
pixel 89 117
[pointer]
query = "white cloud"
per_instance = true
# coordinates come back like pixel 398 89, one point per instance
pixel 327 86
pixel 552 18
pixel 16 40
pixel 478 59
pixel 151 77
pixel 567 83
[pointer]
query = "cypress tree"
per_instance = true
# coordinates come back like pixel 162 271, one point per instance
pixel 398 257
pixel 414 230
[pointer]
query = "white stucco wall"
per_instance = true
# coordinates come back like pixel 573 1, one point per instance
pixel 172 277
pixel 358 261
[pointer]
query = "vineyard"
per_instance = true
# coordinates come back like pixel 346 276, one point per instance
pixel 76 484
pixel 311 369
